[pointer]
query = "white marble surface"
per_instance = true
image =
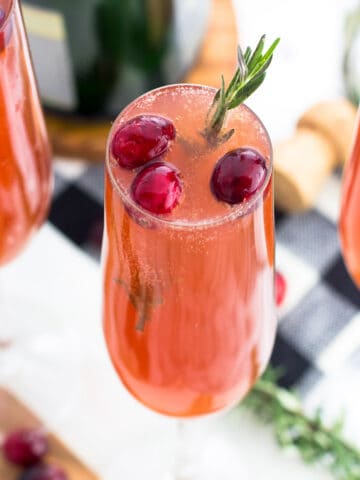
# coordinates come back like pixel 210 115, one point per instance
pixel 61 370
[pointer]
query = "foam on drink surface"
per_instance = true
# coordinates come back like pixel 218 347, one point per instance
pixel 187 106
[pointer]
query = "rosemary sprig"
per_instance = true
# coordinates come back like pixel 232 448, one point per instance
pixel 249 75
pixel 314 441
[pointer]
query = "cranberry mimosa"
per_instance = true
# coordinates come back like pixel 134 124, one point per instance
pixel 350 211
pixel 25 166
pixel 188 250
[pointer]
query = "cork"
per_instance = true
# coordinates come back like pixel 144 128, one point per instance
pixel 321 141
pixel 301 163
pixel 336 120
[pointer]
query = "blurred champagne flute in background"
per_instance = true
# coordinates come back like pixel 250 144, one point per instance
pixel 25 154
pixel 349 225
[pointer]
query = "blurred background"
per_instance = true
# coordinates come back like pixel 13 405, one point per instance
pixel 92 58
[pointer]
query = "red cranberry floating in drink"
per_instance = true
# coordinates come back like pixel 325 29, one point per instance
pixel 141 139
pixel 2 33
pixel 25 447
pixel 44 472
pixel 157 188
pixel 5 31
pixel 280 288
pixel 2 17
pixel 238 175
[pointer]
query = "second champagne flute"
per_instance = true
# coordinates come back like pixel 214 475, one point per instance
pixel 349 225
pixel 25 162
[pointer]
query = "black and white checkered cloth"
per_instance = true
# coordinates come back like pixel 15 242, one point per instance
pixel 319 322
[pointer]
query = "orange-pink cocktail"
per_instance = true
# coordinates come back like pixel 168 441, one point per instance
pixel 188 285
pixel 25 158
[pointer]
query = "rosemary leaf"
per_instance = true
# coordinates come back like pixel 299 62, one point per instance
pixel 257 55
pixel 246 91
pixel 247 54
pixel 252 67
pixel 314 441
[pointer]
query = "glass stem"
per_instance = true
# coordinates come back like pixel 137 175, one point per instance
pixel 187 450
pixel 5 323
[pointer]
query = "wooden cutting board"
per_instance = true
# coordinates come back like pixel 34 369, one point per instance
pixel 72 138
pixel 15 415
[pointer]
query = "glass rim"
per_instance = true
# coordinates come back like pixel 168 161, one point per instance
pixel 237 211
pixel 8 14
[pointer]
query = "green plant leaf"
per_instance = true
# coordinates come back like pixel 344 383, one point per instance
pixel 251 71
pixel 309 435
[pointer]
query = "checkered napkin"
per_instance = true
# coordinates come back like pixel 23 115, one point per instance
pixel 318 338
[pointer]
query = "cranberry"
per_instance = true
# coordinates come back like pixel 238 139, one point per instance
pixel 5 33
pixel 142 139
pixel 2 34
pixel 44 472
pixel 2 16
pixel 25 447
pixel 157 187
pixel 238 175
pixel 280 288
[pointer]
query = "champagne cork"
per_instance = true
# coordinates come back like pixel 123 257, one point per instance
pixel 336 120
pixel 302 163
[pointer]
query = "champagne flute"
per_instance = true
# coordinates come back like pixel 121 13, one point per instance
pixel 25 154
pixel 188 253
pixel 349 224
